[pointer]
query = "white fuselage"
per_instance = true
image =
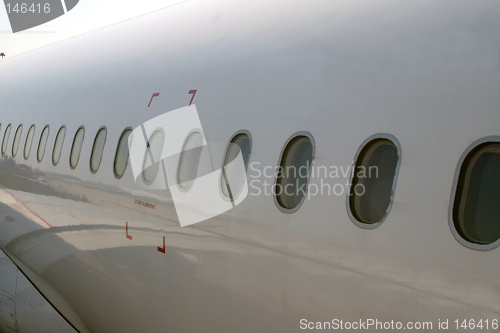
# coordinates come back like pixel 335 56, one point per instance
pixel 426 73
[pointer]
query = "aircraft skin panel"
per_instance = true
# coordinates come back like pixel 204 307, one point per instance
pixel 22 307
pixel 343 71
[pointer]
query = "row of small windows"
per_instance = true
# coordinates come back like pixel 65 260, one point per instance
pixel 121 157
pixel 475 214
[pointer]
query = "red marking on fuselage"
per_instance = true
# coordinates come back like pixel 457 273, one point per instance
pixel 32 212
pixel 154 95
pixel 162 250
pixel 144 203
pixel 194 93
pixel 126 231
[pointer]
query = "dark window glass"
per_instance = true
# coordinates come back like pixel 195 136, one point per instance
pixel 476 211
pixel 293 174
pixel 372 186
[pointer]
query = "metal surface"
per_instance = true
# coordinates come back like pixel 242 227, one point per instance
pixel 23 308
pixel 428 73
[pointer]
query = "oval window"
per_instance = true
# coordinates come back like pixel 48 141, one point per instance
pixel 17 139
pixel 29 142
pixel 43 143
pixel 293 173
pixel 5 142
pixel 76 148
pixel 374 176
pixel 476 209
pixel 97 150
pixel 233 173
pixel 121 155
pixel 58 144
pixel 189 160
pixel 153 155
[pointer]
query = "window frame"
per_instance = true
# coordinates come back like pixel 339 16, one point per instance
pixel 6 143
pixel 162 131
pixel 239 132
pixel 38 158
pixel 17 140
pixel 128 128
pixel 102 128
pixel 313 156
pixel 73 147
pixel 32 127
pixel 54 163
pixel 181 155
pixel 395 142
pixel 475 246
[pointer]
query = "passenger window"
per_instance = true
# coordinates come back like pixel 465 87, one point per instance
pixel 476 209
pixel 17 139
pixel 233 174
pixel 97 150
pixel 76 148
pixel 121 156
pixel 374 179
pixel 293 173
pixel 43 143
pixel 5 142
pixel 58 144
pixel 29 142
pixel 189 160
pixel 153 155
